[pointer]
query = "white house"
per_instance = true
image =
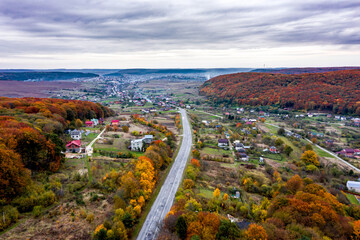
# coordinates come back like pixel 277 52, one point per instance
pixel 148 139
pixel 223 143
pixel 353 186
pixel 75 134
pixel 137 145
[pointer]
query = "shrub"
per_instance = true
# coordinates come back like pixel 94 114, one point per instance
pixel 188 184
pixel 311 168
pixel 37 211
pixel 11 215
pixel 90 217
pixel 83 213
pixel 47 198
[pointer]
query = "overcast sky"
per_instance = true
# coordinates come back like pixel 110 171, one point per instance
pixel 163 34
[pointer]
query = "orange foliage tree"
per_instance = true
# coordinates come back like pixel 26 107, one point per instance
pixel 255 232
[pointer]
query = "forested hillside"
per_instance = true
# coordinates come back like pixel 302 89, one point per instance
pixel 43 76
pixel 337 91
pixel 30 136
pixel 303 70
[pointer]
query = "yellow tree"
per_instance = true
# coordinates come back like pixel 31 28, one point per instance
pixel 78 123
pixel 216 193
pixel 357 229
pixel 310 157
pixel 226 197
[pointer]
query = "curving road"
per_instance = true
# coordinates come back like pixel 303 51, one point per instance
pixel 165 199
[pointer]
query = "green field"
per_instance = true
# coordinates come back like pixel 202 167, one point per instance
pixel 352 199
pixel 206 192
pixel 213 151
pixel 321 153
pixel 89 137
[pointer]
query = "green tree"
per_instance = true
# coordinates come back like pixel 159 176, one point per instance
pixel 288 150
pixel 228 231
pixel 181 227
pixel 308 147
pixel 281 132
pixel 278 142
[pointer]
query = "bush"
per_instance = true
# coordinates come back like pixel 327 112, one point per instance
pixel 90 217
pixel 76 186
pixel 188 184
pixel 83 213
pixel 11 215
pixel 311 168
pixel 47 198
pixel 79 199
pixel 37 211
pixel 27 203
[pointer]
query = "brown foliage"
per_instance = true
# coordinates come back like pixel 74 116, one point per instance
pixel 13 175
pixel 338 91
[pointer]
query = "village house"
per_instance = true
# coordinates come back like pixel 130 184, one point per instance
pixel 115 123
pixel 138 145
pixel 148 139
pixel 353 186
pixel 73 146
pixel 350 153
pixel 95 121
pixel 238 146
pixel 243 157
pixel 273 149
pixel 89 124
pixel 75 134
pixel 223 143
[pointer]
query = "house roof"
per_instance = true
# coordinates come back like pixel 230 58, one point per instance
pixel 223 141
pixel 349 150
pixel 75 132
pixel 89 122
pixel 353 184
pixel 115 121
pixel 74 142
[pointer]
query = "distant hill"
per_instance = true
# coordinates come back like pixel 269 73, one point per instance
pixel 43 76
pixel 199 74
pixel 302 70
pixel 337 91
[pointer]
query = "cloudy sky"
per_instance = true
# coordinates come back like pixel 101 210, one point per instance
pixel 178 33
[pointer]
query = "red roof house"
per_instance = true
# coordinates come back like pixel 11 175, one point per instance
pixel 73 146
pixel 89 123
pixel 115 123
pixel 273 149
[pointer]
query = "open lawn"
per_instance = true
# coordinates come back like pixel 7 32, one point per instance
pixel 206 192
pixel 231 165
pixel 352 199
pixel 89 137
pixel 214 151
pixel 321 153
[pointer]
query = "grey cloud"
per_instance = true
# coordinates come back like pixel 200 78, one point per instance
pixel 106 26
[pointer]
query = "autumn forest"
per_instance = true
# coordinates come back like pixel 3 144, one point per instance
pixel 337 92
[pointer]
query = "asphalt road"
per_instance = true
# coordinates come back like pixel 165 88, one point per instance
pixel 165 199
